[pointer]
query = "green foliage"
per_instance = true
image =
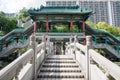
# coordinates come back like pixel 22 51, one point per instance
pixel 100 51
pixel 118 63
pixel 96 50
pixel 103 25
pixel 23 13
pixel 1 33
pixel 75 28
pixel 91 23
pixel 7 24
pixel 43 29
pixel 24 50
pixel 60 28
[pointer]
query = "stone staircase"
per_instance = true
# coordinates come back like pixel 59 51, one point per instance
pixel 60 67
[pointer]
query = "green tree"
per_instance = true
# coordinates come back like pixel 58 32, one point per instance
pixel 7 24
pixel 23 13
pixel 75 28
pixel 3 20
pixel 10 25
pixel 103 25
pixel 91 23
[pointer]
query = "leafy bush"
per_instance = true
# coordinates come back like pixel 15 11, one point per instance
pixel 103 25
pixel 7 24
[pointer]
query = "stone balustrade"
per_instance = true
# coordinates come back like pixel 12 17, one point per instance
pixel 11 47
pixel 13 69
pixel 109 67
pixel 22 68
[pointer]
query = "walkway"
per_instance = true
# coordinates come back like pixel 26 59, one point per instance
pixel 60 67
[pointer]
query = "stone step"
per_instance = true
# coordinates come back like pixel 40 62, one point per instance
pixel 60 56
pixel 60 75
pixel 60 79
pixel 60 61
pixel 60 70
pixel 60 65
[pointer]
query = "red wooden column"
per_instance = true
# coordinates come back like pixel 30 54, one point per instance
pixel 83 27
pixel 71 24
pixel 35 28
pixel 47 25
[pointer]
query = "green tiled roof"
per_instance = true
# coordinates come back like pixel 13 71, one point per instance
pixel 18 30
pixel 60 9
pixel 13 31
pixel 60 13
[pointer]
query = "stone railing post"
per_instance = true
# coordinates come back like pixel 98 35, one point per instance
pixel 55 47
pixel 45 45
pixel 75 48
pixel 87 56
pixel 33 46
pixel 70 45
pixel 19 52
pixel 48 45
pixel 43 40
pixel 62 48
pixel 75 38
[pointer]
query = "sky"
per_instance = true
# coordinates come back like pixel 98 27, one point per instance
pixel 13 6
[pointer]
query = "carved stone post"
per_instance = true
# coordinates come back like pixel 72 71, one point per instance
pixel 44 41
pixel 44 46
pixel 62 48
pixel 34 61
pixel 19 52
pixel 55 47
pixel 75 48
pixel 75 39
pixel 87 55
pixel 70 45
pixel 48 45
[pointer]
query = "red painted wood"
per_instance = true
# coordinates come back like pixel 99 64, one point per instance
pixel 35 28
pixel 83 27
pixel 47 27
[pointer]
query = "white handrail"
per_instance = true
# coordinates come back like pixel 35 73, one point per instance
pixel 110 67
pixel 12 70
